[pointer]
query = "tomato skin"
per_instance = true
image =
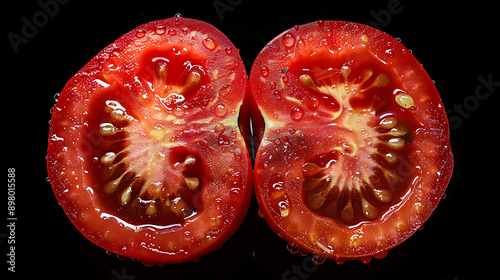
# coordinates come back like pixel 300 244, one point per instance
pixel 115 73
pixel 296 130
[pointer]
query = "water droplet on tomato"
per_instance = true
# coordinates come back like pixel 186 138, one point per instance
pixel 318 260
pixel 228 50
pixel 140 33
pixel 224 90
pixel 366 260
pixel 288 40
pixel 177 18
pixel 264 71
pixel 339 261
pixel 381 255
pixel 277 94
pixel 121 258
pixel 172 32
pixel 209 43
pixel 260 213
pixel 303 252
pixel 297 113
pixel 179 111
pixel 292 248
pixel 328 32
pixel 220 110
pixel 160 30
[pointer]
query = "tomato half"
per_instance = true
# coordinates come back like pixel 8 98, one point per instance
pixel 145 153
pixel 354 154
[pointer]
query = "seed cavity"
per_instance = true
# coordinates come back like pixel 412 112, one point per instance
pixel 347 213
pixel 380 81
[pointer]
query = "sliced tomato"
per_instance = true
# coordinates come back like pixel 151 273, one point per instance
pixel 354 153
pixel 145 154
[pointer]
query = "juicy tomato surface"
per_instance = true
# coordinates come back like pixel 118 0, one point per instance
pixel 354 151
pixel 145 154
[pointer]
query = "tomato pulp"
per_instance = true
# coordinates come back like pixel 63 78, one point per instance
pixel 354 151
pixel 145 153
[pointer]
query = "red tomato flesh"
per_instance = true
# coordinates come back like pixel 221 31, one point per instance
pixel 145 154
pixel 354 154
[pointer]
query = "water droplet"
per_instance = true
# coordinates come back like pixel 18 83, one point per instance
pixel 399 39
pixel 288 40
pixel 381 255
pixel 303 252
pixel 366 260
pixel 228 50
pixel 220 110
pixel 172 32
pixel 121 258
pixel 177 18
pixel 328 32
pixel 297 113
pixel 277 94
pixel 260 213
pixel 209 43
pixel 160 30
pixel 56 96
pixel 179 111
pixel 284 79
pixel 443 196
pixel 292 248
pixel 318 260
pixel 339 261
pixel 224 90
pixel 264 71
pixel 140 33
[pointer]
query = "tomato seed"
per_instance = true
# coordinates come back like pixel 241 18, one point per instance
pixel 404 100
pixel 396 143
pixel 388 122
pixel 192 182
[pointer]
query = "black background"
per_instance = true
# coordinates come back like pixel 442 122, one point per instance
pixel 455 41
